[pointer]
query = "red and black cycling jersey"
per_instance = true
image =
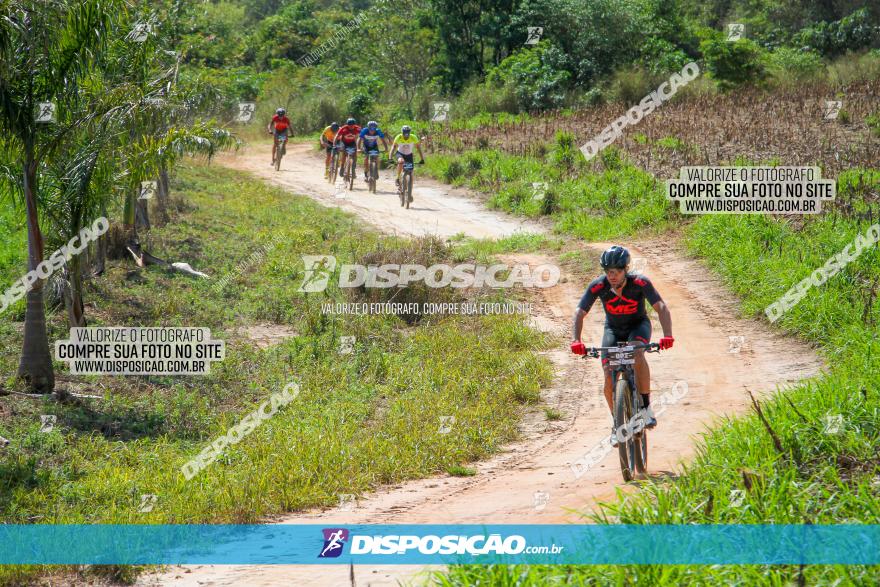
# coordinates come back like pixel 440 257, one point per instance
pixel 625 310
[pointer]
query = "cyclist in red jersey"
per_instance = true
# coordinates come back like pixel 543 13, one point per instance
pixel 623 294
pixel 279 126
pixel 348 135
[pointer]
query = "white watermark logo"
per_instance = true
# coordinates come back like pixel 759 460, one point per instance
pixel 55 262
pixel 534 35
pixel 245 111
pixel 140 32
pixel 319 268
pixel 446 424
pixel 541 499
pixel 148 502
pixel 735 31
pixel 831 109
pixel 347 502
pixel 148 190
pixel 346 345
pixel 441 111
pixel 818 277
pixel 240 431
pixel 47 422
pixel 635 114
pixel 735 343
pixel 45 112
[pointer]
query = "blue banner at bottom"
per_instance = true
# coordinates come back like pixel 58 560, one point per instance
pixel 286 544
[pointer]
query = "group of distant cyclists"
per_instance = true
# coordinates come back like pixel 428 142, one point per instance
pixel 351 137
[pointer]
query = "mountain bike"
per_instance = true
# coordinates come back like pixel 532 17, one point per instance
pixel 350 167
pixel 280 150
pixel 629 421
pixel 334 165
pixel 404 190
pixel 373 175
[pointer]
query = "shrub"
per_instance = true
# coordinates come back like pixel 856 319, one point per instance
pixel 732 63
pixel 564 156
pixel 631 84
pixel 536 75
pixel 787 65
pixel 481 98
pixel 360 104
pixel 550 201
pixel 426 251
pixel 611 157
pixel 474 162
pixel 453 171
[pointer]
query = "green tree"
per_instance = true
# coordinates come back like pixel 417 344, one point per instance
pixel 47 50
pixel 399 49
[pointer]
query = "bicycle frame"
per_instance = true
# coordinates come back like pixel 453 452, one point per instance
pixel 622 358
pixel 630 418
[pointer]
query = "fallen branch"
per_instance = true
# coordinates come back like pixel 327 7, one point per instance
pixel 184 268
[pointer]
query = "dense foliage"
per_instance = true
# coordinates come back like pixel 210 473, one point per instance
pixel 392 60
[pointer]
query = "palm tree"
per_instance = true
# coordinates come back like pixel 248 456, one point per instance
pixel 47 49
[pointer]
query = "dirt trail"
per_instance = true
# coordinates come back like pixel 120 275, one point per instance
pixel 532 480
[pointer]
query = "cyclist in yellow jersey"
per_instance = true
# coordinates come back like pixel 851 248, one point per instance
pixel 327 142
pixel 403 145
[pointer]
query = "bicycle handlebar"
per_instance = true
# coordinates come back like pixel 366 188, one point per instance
pixel 595 351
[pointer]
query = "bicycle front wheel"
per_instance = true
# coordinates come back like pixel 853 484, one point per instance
pixel 334 167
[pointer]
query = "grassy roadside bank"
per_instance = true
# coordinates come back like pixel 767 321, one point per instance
pixel 362 419
pixel 827 467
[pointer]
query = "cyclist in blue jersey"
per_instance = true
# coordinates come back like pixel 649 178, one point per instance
pixel 369 141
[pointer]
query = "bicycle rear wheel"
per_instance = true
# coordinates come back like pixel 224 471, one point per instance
pixel 623 411
pixel 352 171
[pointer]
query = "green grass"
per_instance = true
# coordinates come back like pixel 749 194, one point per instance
pixel 13 249
pixel 361 420
pixel 590 201
pixel 553 414
pixel 522 242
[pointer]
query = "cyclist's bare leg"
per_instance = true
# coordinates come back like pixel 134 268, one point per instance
pixel 366 164
pixel 643 373
pixel 327 162
pixel 399 167
pixel 609 386
pixel 342 159
pixel 274 146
